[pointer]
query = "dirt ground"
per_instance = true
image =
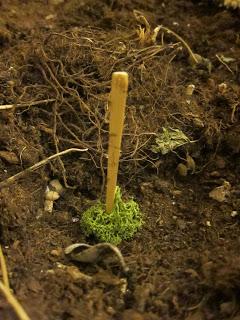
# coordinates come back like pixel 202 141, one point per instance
pixel 56 61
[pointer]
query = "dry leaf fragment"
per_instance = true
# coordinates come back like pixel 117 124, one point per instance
pixel 92 254
pixel 169 140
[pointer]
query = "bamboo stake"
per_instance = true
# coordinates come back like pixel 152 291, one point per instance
pixel 3 267
pixel 118 97
pixel 6 291
pixel 13 302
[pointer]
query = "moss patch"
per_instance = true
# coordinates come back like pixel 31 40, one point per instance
pixel 120 224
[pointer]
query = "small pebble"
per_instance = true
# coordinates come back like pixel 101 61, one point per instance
pixel 215 174
pixel 189 90
pixel 222 87
pixel 110 311
pixel 50 17
pixel 208 223
pixel 56 252
pixel 221 193
pixel 182 170
pixel 220 163
pixel 176 193
pixel 234 213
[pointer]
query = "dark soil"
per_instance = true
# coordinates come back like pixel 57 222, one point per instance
pixel 185 262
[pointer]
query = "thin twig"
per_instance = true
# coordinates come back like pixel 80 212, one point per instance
pixel 3 266
pixel 224 63
pixel 26 104
pixel 192 55
pixel 13 302
pixel 36 166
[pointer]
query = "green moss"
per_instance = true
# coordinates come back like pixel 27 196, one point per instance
pixel 120 224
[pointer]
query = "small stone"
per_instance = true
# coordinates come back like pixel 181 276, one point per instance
pixel 182 170
pixel 191 165
pixel 48 207
pixel 234 214
pixel 215 174
pixel 208 223
pixel 222 87
pixel 76 274
pixel 51 195
pixel 110 311
pixel 56 252
pixel 189 90
pixel 221 193
pixel 176 193
pixel 50 17
pixel 55 185
pixel 11 83
pixel 220 163
pixel 50 271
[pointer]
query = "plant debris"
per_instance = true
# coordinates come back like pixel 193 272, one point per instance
pixel 169 140
pixel 93 254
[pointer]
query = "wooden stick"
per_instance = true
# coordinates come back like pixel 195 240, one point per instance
pixel 3 266
pixel 118 97
pixel 13 302
pixel 36 166
pixel 26 104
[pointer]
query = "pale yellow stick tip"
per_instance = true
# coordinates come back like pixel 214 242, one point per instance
pixel 120 73
pixel 120 80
